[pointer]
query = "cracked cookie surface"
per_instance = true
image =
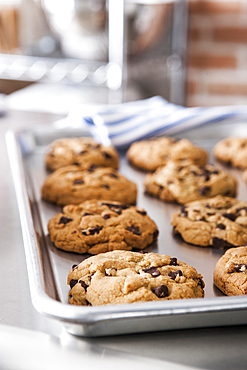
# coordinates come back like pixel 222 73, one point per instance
pixel 72 185
pixel 100 226
pixel 230 274
pixel 220 222
pixel 82 152
pixel 180 183
pixel 232 151
pixel 148 155
pixel 127 277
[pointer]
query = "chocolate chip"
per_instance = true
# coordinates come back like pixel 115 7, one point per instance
pixel 76 164
pixel 203 219
pixel 152 271
pixel 206 176
pixel 240 268
pixel 161 291
pixel 134 230
pixel 78 181
pixel 106 186
pixel 87 214
pixel 205 190
pixel 220 226
pixel 200 283
pixel 230 216
pixel 72 283
pixel 113 175
pixel 215 172
pixel 184 212
pixel 92 168
pixel 73 232
pixel 106 216
pixel 229 163
pixel 83 284
pixel 74 267
pixel 173 261
pixel 106 155
pixel 143 213
pixel 174 274
pixel 90 277
pixel 242 208
pixel 117 208
pixel 94 230
pixel 65 220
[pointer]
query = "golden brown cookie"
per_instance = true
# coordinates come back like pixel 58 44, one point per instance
pixel 72 185
pixel 230 274
pixel 220 222
pixel 128 277
pixel 232 151
pixel 181 183
pixel 148 155
pixel 101 226
pixel 82 152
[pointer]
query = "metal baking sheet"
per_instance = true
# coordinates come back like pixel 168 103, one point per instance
pixel 48 267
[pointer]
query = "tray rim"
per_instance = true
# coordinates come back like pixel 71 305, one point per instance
pixel 46 305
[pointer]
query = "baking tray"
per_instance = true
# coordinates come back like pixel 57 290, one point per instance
pixel 48 267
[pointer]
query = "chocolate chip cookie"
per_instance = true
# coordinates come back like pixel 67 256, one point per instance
pixel 73 185
pixel 101 226
pixel 129 277
pixel 230 275
pixel 232 151
pixel 220 222
pixel 181 183
pixel 148 155
pixel 82 152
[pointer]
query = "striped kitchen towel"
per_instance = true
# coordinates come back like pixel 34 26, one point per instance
pixel 128 122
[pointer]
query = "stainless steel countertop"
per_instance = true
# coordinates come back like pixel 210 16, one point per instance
pixel 29 340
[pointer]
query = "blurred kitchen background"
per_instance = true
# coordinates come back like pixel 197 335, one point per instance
pixel 60 53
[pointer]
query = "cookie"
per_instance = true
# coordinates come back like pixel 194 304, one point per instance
pixel 148 155
pixel 232 151
pixel 230 275
pixel 129 277
pixel 180 183
pixel 220 222
pixel 73 185
pixel 101 226
pixel 82 152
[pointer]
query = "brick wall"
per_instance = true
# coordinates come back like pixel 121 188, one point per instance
pixel 217 52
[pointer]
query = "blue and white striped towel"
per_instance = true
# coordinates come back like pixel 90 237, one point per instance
pixel 125 123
